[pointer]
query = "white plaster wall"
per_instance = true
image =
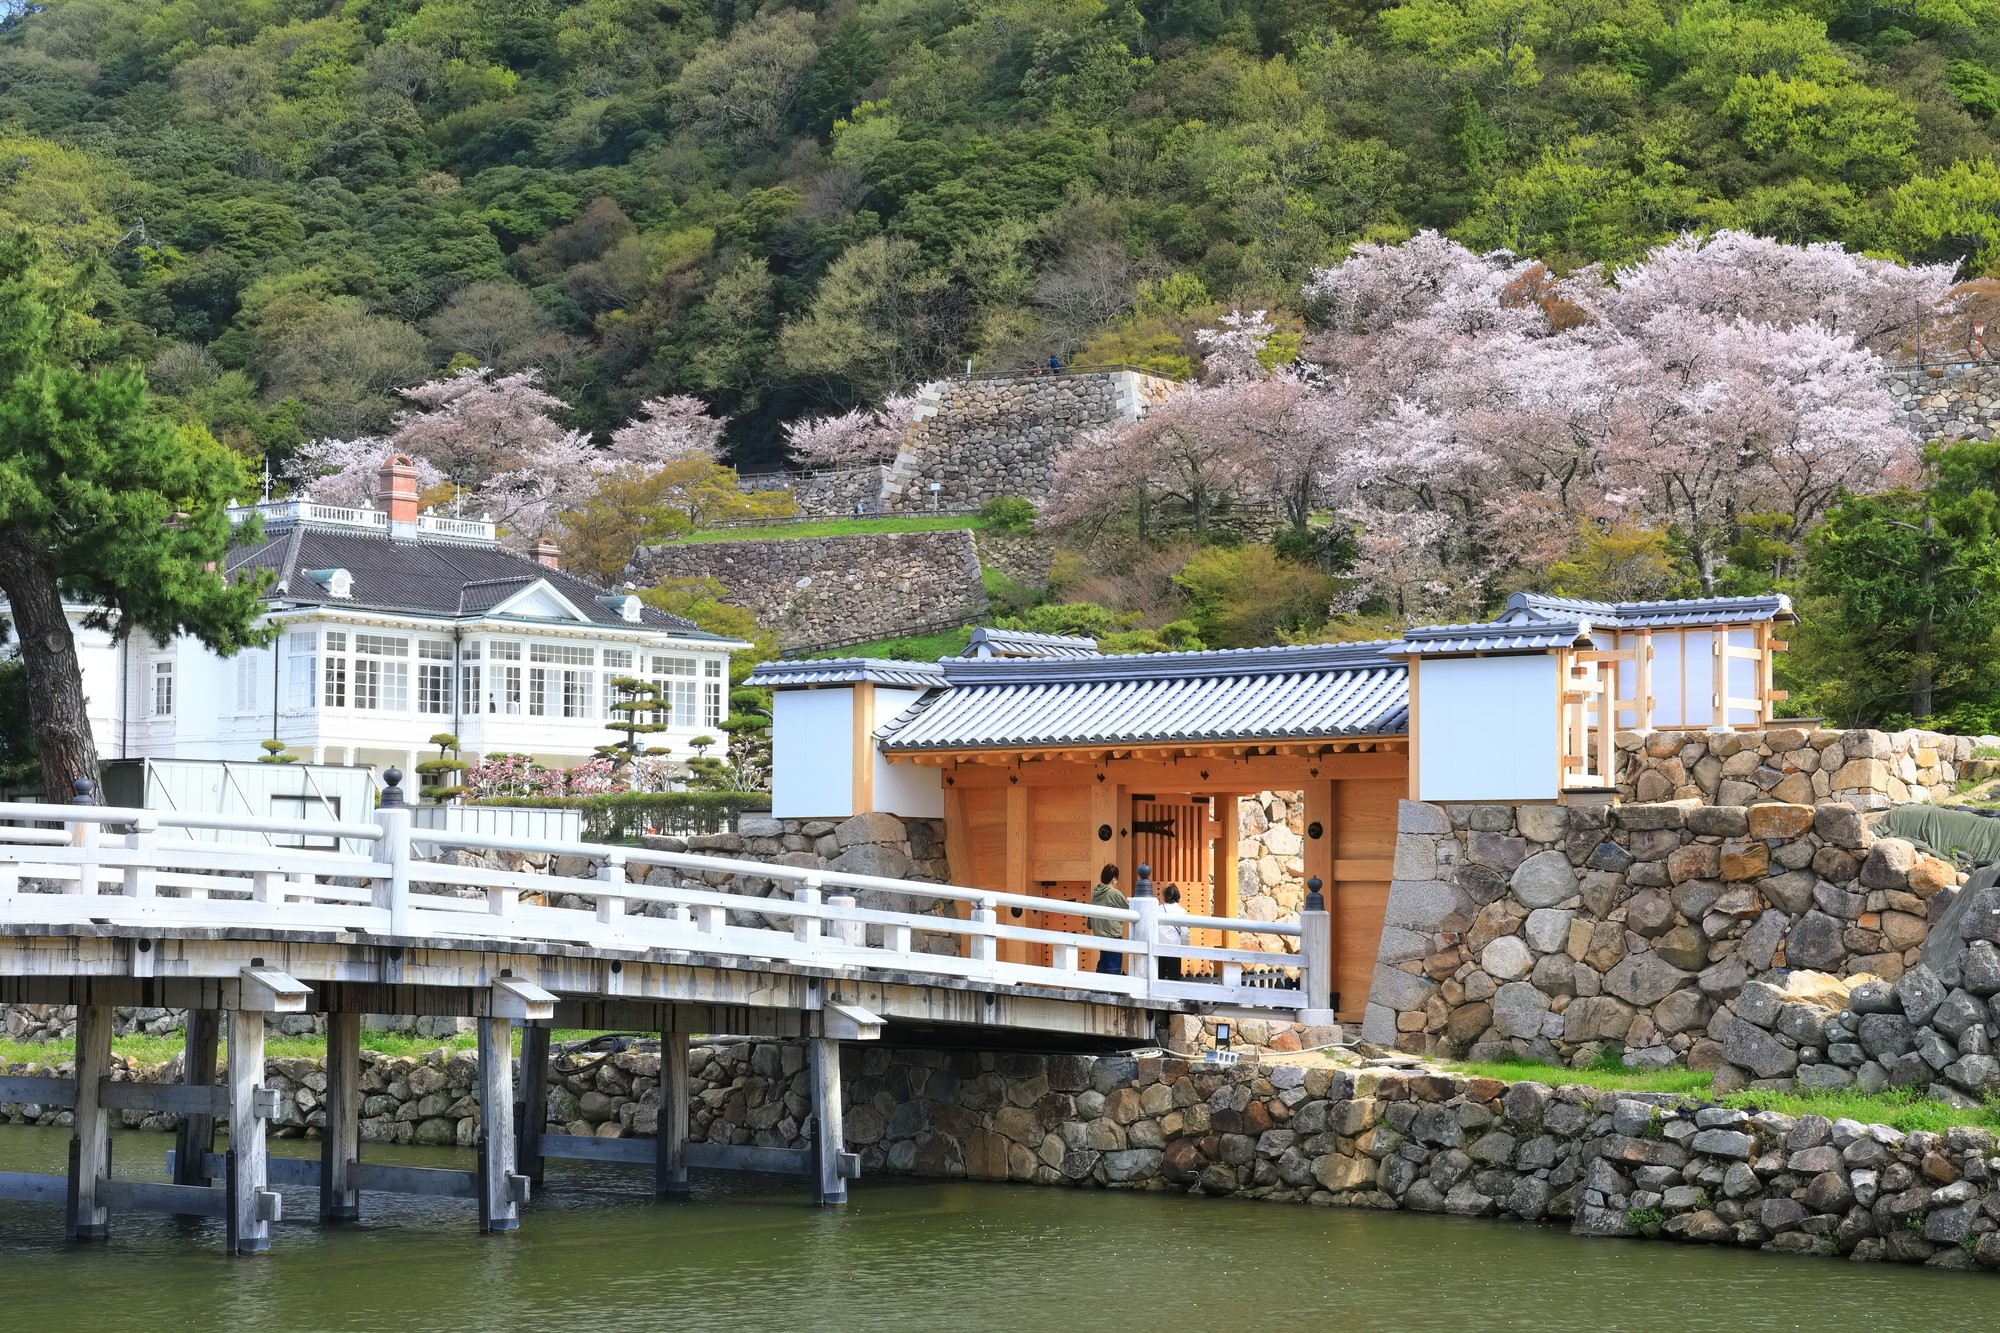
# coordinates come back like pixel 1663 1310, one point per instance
pixel 1487 729
pixel 909 790
pixel 812 754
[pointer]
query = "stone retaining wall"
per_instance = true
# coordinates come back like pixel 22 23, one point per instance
pixel 982 439
pixel 1607 1163
pixel 1561 932
pixel 1952 402
pixel 827 590
pixel 1872 770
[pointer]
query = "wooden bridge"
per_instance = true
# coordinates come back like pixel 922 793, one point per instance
pixel 232 918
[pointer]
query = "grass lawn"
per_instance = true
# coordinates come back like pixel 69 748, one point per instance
pixel 840 527
pixel 1904 1109
pixel 151 1050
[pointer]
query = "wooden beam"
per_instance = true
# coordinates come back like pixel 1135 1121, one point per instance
pixel 501 1209
pixel 90 1133
pixel 249 1216
pixel 670 1159
pixel 864 747
pixel 828 1140
pixel 534 1103
pixel 201 1035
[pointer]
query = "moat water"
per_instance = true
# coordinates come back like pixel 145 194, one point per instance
pixel 597 1252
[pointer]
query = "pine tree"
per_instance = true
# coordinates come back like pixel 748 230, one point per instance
pixel 102 500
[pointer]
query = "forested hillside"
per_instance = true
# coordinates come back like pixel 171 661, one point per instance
pixel 306 204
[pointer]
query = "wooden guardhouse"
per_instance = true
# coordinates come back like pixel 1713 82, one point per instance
pixel 1047 761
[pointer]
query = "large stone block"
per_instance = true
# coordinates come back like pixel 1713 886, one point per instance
pixel 1545 879
pixel 1645 979
pixel 1778 820
pixel 1421 817
pixel 1423 904
pixel 1518 1010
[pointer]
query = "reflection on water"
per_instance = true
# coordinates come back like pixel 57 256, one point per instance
pixel 597 1252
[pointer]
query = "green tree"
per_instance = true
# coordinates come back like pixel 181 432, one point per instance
pixel 1904 593
pixel 103 501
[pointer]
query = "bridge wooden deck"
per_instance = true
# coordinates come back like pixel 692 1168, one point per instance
pixel 234 917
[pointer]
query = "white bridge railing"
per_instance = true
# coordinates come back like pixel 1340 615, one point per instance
pixel 76 864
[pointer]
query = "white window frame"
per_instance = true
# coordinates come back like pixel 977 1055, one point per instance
pixel 163 688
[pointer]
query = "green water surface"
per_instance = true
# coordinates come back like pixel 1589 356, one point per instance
pixel 596 1252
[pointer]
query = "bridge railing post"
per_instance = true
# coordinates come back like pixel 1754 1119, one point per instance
pixel 611 906
pixel 84 833
pixel 392 816
pixel 1316 957
pixel 805 929
pixel 985 947
pixel 1145 932
pixel 848 932
pixel 139 874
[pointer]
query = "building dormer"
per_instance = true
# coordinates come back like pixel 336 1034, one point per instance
pixel 625 606
pixel 338 583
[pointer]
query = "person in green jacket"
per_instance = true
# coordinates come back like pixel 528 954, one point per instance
pixel 1106 894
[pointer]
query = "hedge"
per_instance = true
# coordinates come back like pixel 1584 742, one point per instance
pixel 622 816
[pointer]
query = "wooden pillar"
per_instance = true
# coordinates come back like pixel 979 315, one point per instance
pixel 532 1113
pixel 670 1173
pixel 250 1203
pixel 829 1138
pixel 864 748
pixel 1321 853
pixel 498 1210
pixel 196 1137
pixel 340 1137
pixel 1229 820
pixel 90 1138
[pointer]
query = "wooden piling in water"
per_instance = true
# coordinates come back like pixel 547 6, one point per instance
pixel 90 1138
pixel 532 1111
pixel 829 1142
pixel 195 1139
pixel 670 1173
pixel 499 1210
pixel 340 1138
pixel 252 1206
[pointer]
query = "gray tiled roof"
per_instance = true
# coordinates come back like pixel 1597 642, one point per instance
pixel 1527 607
pixel 1442 640
pixel 847 671
pixel 447 579
pixel 1256 694
pixel 989 642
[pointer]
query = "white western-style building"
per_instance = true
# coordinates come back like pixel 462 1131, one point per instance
pixel 392 627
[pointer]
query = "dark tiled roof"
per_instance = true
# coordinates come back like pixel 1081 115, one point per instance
pixel 1251 694
pixel 1524 607
pixel 989 642
pixel 426 577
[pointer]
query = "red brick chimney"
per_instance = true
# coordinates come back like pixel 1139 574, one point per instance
pixel 546 552
pixel 396 490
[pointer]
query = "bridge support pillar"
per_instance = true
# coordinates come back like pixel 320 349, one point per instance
pixel 252 1205
pixel 670 1173
pixel 531 1113
pixel 340 1139
pixel 829 1138
pixel 196 1138
pixel 499 1209
pixel 90 1140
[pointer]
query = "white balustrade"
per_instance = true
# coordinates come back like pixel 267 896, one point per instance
pixel 105 864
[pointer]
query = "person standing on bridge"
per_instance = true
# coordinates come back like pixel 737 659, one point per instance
pixel 1106 894
pixel 1168 932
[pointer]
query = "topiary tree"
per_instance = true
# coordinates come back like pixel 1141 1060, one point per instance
pixel 275 752
pixel 636 714
pixel 443 771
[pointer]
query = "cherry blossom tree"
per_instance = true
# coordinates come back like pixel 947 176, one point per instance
pixel 852 438
pixel 496 445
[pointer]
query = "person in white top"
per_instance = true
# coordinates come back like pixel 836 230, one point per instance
pixel 1166 932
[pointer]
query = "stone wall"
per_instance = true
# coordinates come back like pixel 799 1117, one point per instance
pixel 1871 770
pixel 1606 1163
pixel 833 590
pixel 1960 401
pixel 1270 862
pixel 981 439
pixel 838 493
pixel 1561 932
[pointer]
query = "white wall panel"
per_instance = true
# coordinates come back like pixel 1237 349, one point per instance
pixel 812 754
pixel 1487 729
pixel 904 789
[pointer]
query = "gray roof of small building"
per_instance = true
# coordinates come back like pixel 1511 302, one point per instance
pixel 1235 696
pixel 990 642
pixel 1526 607
pixel 421 576
pixel 796 675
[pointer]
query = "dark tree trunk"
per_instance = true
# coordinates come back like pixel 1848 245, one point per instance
pixel 55 679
